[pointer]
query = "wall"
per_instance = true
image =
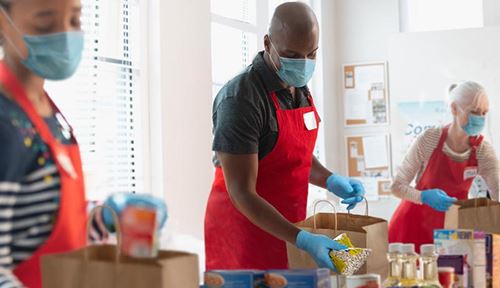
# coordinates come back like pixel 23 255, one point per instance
pixel 353 31
pixel 491 12
pixel 181 92
pixel 438 59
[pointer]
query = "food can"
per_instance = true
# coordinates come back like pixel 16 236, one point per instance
pixel 363 281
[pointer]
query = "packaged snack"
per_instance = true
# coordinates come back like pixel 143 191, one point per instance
pixel 139 232
pixel 493 260
pixel 314 278
pixel 348 262
pixel 234 279
pixel 461 271
pixel 468 243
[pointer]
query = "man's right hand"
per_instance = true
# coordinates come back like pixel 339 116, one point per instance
pixel 319 247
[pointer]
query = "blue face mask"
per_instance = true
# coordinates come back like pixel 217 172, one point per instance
pixel 475 125
pixel 52 56
pixel 295 72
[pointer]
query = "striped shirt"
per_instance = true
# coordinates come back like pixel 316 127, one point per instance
pixel 420 153
pixel 29 188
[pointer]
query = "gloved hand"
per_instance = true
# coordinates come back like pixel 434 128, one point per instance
pixel 319 247
pixel 437 199
pixel 351 190
pixel 119 201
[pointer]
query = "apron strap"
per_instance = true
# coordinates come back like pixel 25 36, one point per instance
pixel 474 142
pixel 442 140
pixel 17 92
pixel 274 98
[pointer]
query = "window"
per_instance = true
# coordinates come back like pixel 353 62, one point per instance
pixel 238 29
pixel 104 100
pixel 431 15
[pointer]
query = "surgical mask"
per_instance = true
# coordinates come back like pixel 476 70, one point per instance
pixel 295 72
pixel 52 56
pixel 475 125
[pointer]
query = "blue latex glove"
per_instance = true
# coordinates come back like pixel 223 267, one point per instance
pixel 437 199
pixel 350 190
pixel 119 201
pixel 319 247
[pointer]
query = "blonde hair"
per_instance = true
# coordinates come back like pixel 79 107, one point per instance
pixel 467 94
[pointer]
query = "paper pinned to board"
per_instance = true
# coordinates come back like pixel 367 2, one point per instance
pixel 376 154
pixel 356 104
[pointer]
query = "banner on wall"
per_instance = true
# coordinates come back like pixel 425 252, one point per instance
pixel 414 118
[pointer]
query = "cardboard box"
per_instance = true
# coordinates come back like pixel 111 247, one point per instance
pixel 493 260
pixel 461 269
pixel 468 243
pixel 234 279
pixel 313 278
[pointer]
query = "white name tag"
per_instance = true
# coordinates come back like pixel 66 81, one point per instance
pixel 470 172
pixel 310 120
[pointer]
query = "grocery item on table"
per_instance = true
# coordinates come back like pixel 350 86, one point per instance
pixel 429 266
pixel 234 279
pixel 446 276
pixel 493 260
pixel 394 257
pixel 460 267
pixel 409 277
pixel 139 232
pixel 468 243
pixel 311 278
pixel 347 262
pixel 363 281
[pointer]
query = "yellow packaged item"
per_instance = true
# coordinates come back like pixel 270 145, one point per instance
pixel 348 262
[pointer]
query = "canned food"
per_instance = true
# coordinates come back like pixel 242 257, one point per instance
pixel 446 276
pixel 363 281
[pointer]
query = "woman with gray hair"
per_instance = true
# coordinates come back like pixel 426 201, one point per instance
pixel 444 162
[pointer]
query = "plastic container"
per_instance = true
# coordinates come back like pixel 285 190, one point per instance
pixel 429 266
pixel 394 258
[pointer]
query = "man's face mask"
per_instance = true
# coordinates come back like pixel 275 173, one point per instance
pixel 294 72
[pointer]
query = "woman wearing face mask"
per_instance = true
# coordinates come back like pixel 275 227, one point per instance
pixel 444 162
pixel 42 201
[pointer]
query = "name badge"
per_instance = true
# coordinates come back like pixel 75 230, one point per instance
pixel 470 172
pixel 310 120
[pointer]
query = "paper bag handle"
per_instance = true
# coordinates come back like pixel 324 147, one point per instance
pixel 116 221
pixel 315 207
pixel 366 207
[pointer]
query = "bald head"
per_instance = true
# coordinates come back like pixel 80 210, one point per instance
pixel 292 19
pixel 294 33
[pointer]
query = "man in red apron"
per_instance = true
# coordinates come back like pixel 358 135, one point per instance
pixel 265 129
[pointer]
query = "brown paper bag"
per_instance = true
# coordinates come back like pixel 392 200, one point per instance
pixel 364 232
pixel 103 267
pixel 478 214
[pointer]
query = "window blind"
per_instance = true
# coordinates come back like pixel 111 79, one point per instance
pixel 103 99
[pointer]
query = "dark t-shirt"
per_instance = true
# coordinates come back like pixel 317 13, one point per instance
pixel 244 116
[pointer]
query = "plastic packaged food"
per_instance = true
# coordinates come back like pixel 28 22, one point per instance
pixel 349 261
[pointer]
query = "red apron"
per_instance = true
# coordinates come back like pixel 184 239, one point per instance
pixel 231 240
pixel 69 230
pixel 415 223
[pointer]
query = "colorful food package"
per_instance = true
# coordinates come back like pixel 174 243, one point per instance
pixel 493 260
pixel 468 243
pixel 457 262
pixel 348 262
pixel 234 279
pixel 139 232
pixel 310 278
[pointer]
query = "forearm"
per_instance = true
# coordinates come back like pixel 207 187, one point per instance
pixel 318 174
pixel 264 215
pixel 402 189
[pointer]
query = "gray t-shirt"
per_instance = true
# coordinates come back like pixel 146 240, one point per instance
pixel 244 117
